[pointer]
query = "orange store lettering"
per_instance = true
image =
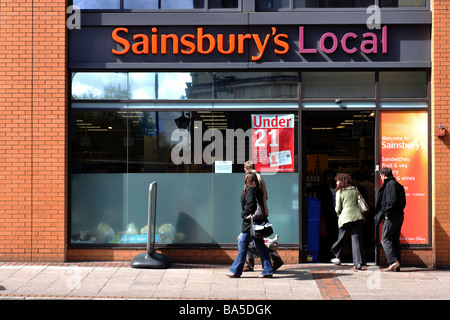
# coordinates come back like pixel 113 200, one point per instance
pixel 201 42
pixel 205 43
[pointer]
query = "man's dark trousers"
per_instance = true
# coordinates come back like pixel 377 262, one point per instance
pixel 391 238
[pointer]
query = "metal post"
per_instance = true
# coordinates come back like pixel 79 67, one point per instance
pixel 151 259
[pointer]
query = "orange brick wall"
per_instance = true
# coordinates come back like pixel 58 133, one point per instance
pixel 209 256
pixel 32 130
pixel 441 115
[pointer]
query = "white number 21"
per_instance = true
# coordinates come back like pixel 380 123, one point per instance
pixel 272 133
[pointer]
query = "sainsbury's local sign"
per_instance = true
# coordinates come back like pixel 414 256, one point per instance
pixel 153 42
pixel 246 46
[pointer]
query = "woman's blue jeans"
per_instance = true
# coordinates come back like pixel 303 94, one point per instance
pixel 238 264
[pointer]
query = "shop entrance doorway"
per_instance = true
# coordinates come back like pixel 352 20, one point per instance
pixel 336 142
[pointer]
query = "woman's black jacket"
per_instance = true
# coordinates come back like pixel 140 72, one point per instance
pixel 248 202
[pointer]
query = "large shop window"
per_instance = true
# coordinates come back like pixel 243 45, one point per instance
pixel 182 86
pixel 197 159
pixel 269 5
pixel 338 85
pixel 155 4
pixel 403 84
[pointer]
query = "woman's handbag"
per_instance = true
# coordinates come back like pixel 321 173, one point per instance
pixel 362 204
pixel 259 212
pixel 262 230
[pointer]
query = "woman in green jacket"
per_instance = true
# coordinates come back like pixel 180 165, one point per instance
pixel 350 219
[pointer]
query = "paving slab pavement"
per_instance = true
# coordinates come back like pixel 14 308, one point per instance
pixel 113 281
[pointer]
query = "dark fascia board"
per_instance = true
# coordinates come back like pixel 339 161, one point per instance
pixel 338 17
pixel 249 65
pixel 163 19
pixel 251 18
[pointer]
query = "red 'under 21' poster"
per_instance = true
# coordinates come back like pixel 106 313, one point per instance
pixel 404 148
pixel 273 142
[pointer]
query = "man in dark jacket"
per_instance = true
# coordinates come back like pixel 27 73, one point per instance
pixel 389 208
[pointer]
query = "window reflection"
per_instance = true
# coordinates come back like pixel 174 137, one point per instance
pixel 143 85
pixel 173 85
pixel 403 3
pixel 184 85
pixel 97 4
pixel 165 4
pixel 273 5
pixel 406 84
pixel 99 85
pixel 338 85
pixel 333 3
pixel 181 4
pixel 222 4
pixel 140 4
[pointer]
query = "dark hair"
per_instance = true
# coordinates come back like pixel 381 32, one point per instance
pixel 250 180
pixel 345 180
pixel 327 173
pixel 386 171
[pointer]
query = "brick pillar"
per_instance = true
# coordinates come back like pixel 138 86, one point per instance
pixel 33 130
pixel 441 146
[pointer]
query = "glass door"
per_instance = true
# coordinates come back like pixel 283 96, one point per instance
pixel 336 142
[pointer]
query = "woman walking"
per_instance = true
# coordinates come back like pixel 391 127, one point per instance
pixel 350 219
pixel 251 194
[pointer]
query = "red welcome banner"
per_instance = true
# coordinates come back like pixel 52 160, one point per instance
pixel 404 148
pixel 273 142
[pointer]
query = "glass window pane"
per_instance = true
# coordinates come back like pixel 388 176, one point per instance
pixel 338 85
pixel 243 85
pixel 97 207
pixel 180 86
pixel 214 4
pixel 111 173
pixel 99 85
pixel 143 85
pixel 183 211
pixel 97 4
pixel 181 4
pixel 255 85
pixel 99 142
pixel 333 3
pixel 173 85
pixel 263 5
pixel 140 4
pixel 403 3
pixel 406 84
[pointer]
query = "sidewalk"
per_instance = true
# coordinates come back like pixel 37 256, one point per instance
pixel 118 281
